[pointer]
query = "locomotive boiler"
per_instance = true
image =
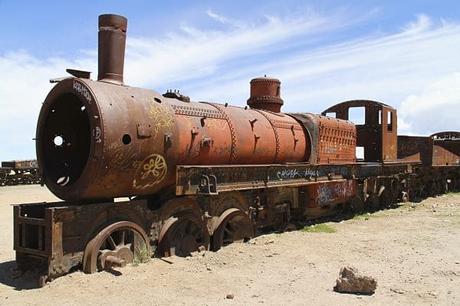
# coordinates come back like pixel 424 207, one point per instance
pixel 201 175
pixel 102 139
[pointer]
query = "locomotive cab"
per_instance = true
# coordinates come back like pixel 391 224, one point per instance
pixel 376 132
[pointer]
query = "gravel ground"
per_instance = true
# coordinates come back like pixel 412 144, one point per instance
pixel 413 251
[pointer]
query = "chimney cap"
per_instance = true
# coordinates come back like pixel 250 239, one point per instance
pixel 113 21
pixel 265 79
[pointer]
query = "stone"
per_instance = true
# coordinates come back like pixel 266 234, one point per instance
pixel 351 281
pixel 230 296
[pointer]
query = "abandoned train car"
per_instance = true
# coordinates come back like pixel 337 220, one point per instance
pixel 199 175
pixel 19 172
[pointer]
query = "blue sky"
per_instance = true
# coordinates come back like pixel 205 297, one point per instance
pixel 404 53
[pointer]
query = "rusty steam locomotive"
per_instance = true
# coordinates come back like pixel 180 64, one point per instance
pixel 200 175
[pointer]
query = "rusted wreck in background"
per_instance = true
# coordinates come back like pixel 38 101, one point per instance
pixel 19 172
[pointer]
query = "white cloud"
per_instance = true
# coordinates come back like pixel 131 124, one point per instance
pixel 422 23
pixel 386 67
pixel 24 83
pixel 417 65
pixel 193 53
pixel 435 108
pixel 217 17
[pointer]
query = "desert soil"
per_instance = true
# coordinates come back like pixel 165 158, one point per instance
pixel 413 251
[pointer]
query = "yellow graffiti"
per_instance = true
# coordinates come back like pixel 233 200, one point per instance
pixel 154 167
pixel 161 118
pixel 152 171
pixel 123 157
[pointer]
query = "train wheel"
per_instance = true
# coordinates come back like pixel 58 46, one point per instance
pixel 116 245
pixel 356 205
pixel 181 235
pixel 372 202
pixel 386 199
pixel 233 225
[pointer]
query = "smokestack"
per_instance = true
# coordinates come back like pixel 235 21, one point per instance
pixel 111 52
pixel 265 94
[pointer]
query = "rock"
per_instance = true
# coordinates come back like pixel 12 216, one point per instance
pixel 351 281
pixel 432 293
pixel 398 291
pixel 230 296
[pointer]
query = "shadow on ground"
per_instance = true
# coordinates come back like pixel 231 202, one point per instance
pixel 19 280
pixel 343 216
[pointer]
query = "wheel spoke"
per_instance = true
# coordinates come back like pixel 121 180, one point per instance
pixel 123 236
pixel 188 227
pixel 111 242
pixel 228 231
pixel 230 225
pixel 195 232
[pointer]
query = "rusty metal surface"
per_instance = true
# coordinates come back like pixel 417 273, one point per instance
pixel 337 141
pixel 265 94
pixel 100 139
pixel 446 148
pixel 20 164
pixel 439 149
pixel 415 148
pixel 120 141
pixel 111 51
pixel 19 172
pixel 233 225
pixel 54 236
pixel 330 193
pixel 116 246
pixel 192 180
pixel 378 134
pixel 446 135
pixel 333 141
pixel 203 174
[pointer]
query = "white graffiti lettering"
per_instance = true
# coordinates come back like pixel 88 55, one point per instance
pixel 82 90
pixel 308 173
pixel 289 174
pixel 97 134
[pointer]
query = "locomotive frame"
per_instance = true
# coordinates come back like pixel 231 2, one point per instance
pixel 218 201
pixel 209 205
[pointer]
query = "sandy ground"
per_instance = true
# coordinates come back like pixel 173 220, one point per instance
pixel 413 251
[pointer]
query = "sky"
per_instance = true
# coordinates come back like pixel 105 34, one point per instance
pixel 403 53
